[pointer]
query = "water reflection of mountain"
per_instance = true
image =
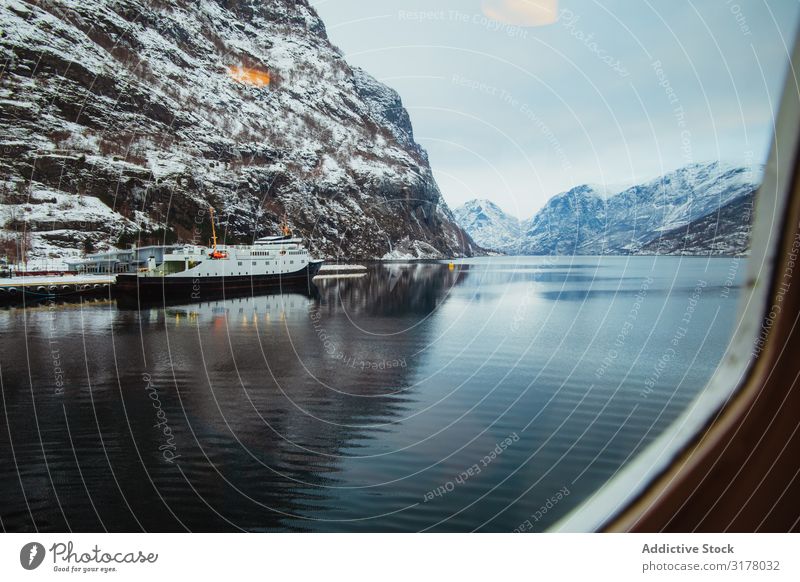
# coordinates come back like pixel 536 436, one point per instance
pixel 260 407
pixel 393 290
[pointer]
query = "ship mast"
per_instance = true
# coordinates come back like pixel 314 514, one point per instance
pixel 213 230
pixel 215 254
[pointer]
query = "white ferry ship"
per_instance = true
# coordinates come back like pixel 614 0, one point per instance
pixel 197 272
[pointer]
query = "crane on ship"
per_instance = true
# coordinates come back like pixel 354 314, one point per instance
pixel 286 230
pixel 215 253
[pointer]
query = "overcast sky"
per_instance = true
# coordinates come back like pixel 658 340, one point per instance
pixel 614 92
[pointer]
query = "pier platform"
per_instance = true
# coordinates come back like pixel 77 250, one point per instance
pixel 34 287
pixel 341 272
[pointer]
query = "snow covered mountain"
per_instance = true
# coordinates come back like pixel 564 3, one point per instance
pixel 723 232
pixel 588 221
pixel 569 224
pixel 122 121
pixel 489 226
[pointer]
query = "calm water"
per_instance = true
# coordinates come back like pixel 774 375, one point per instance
pixel 421 397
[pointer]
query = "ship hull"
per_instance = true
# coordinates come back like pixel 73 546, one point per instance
pixel 193 289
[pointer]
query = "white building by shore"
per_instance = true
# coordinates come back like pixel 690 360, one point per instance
pixel 119 261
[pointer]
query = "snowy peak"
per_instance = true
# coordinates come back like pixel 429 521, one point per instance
pixel 586 191
pixel 680 197
pixel 488 225
pixel 482 212
pixel 567 223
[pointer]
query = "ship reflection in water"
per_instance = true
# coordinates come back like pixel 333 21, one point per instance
pixel 418 397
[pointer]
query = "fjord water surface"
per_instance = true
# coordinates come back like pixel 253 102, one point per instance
pixel 492 395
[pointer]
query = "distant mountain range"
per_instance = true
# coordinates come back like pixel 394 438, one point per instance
pixel 700 209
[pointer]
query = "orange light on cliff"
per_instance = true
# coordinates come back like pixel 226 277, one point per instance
pixel 247 76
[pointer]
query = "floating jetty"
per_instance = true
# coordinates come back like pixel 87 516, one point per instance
pixel 341 269
pixel 341 272
pixel 41 288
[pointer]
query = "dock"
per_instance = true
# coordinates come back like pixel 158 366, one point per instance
pixel 38 288
pixel 342 269
pixel 341 272
pixel 52 286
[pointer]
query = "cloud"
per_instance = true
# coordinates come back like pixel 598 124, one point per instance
pixel 522 12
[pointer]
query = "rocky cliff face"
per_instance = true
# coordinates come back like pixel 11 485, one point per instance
pixel 693 210
pixel 122 121
pixel 569 224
